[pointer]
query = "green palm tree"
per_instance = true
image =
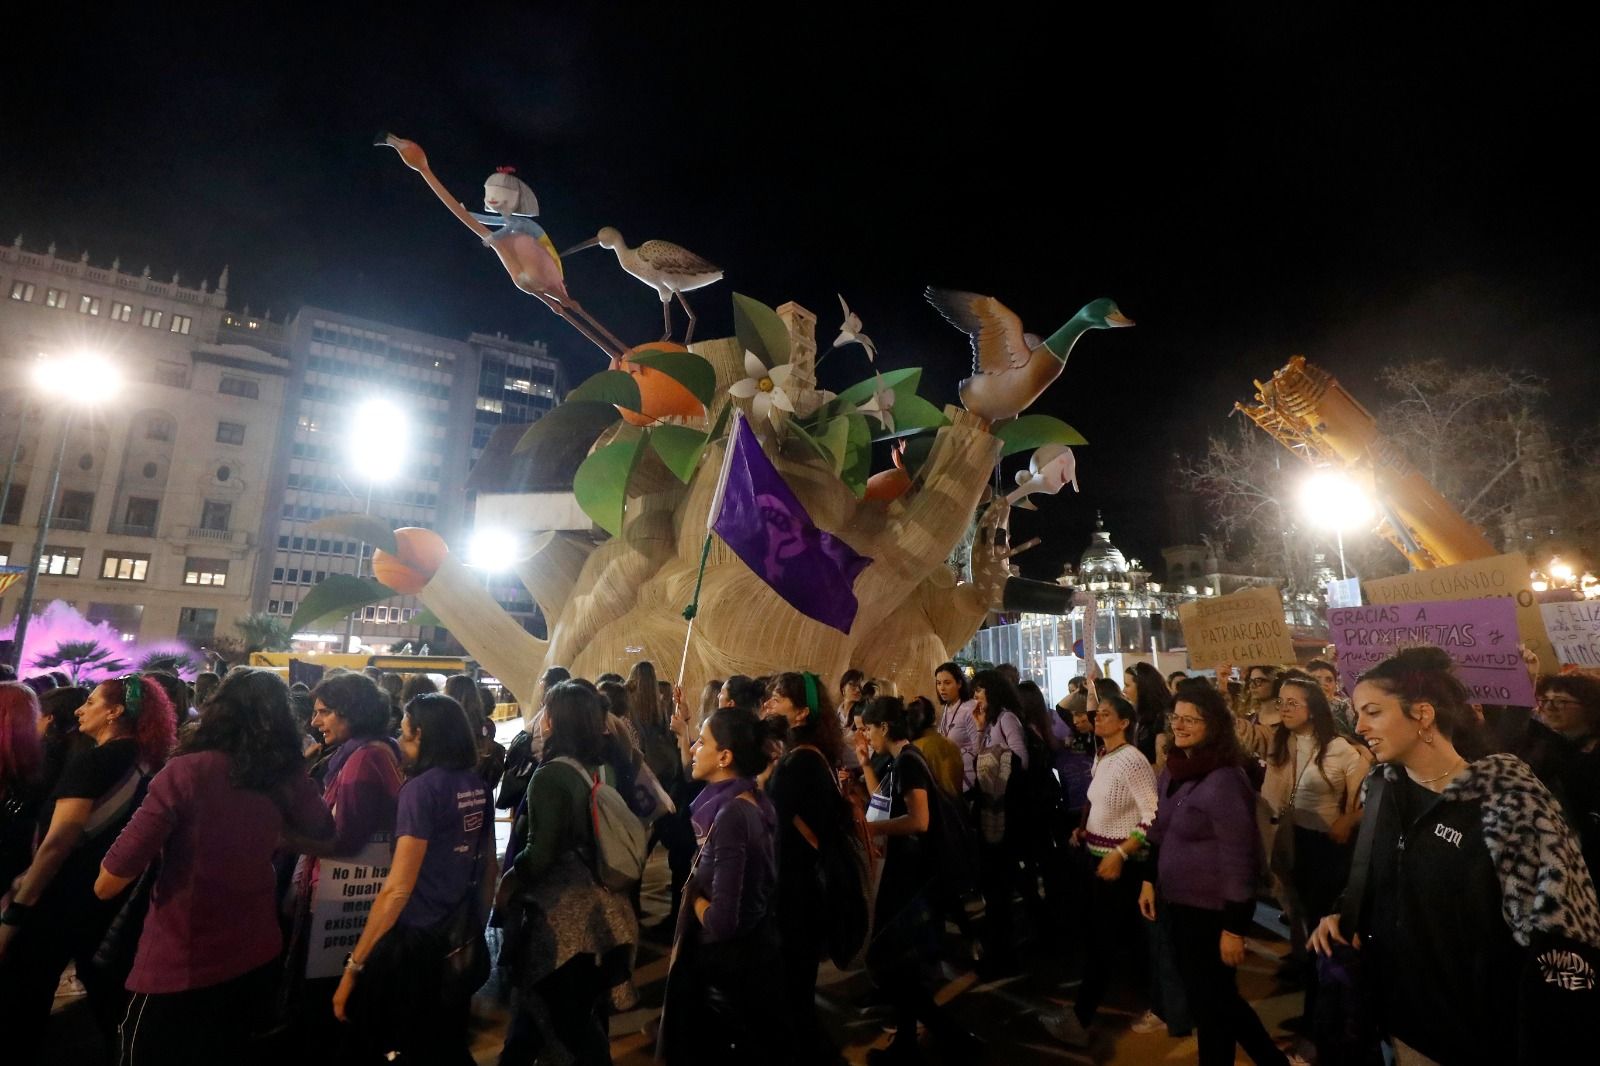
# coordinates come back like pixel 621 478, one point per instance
pixel 263 632
pixel 81 657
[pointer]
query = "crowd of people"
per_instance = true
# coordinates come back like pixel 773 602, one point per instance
pixel 1433 859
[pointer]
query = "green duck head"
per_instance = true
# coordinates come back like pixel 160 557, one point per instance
pixel 1097 314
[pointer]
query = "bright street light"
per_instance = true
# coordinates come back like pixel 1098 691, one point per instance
pixel 79 380
pixel 82 378
pixel 1560 571
pixel 493 550
pixel 1332 499
pixel 377 439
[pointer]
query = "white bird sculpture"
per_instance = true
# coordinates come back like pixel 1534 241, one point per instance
pixel 1050 469
pixel 668 268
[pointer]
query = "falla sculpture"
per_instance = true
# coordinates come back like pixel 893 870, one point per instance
pixel 648 479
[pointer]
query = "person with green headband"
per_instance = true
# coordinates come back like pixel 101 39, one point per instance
pixel 53 917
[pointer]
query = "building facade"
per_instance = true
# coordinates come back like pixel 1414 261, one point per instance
pixel 453 393
pixel 159 519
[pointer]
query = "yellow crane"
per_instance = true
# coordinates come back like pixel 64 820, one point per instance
pixel 1307 411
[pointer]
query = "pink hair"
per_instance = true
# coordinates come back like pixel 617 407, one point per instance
pixel 21 751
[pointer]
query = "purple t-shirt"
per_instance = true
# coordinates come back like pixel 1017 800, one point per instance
pixel 448 809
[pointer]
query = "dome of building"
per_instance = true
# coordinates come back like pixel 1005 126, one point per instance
pixel 1101 556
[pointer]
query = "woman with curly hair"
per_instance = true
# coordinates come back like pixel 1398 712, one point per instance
pixel 1468 897
pixel 214 816
pixel 1570 705
pixel 54 916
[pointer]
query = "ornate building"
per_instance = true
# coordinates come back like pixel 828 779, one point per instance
pixel 159 521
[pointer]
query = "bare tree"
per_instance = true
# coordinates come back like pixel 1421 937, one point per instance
pixel 1466 429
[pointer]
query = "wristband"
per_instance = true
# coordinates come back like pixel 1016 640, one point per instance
pixel 1119 851
pixel 351 965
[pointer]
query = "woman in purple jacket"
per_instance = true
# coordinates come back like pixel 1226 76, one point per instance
pixel 1208 859
pixel 719 1005
pixel 206 962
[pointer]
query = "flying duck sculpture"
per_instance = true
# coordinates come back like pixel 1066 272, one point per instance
pixel 1009 373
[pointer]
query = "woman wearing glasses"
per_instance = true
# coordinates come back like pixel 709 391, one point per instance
pixel 1314 786
pixel 1570 705
pixel 1207 866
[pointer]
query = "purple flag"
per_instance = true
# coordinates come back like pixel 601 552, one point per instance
pixel 765 525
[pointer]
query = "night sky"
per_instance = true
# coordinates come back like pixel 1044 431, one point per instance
pixel 1360 191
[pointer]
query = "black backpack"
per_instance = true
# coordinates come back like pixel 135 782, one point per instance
pixel 841 876
pixel 954 839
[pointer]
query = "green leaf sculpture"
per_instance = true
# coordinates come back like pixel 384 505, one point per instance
pixel 615 387
pixel 901 382
pixel 424 616
pixel 601 483
pixel 858 455
pixel 376 531
pixel 336 596
pixel 560 439
pixel 679 447
pixel 1028 432
pixel 760 330
pixel 691 371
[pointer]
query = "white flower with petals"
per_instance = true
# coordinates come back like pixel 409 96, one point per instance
pixel 765 388
pixel 880 406
pixel 850 332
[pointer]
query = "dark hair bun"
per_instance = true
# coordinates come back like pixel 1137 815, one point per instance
pixel 1424 657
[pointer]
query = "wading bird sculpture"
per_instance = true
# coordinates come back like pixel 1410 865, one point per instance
pixel 668 268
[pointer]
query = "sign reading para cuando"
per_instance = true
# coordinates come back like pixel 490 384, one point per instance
pixel 1243 627
pixel 1480 636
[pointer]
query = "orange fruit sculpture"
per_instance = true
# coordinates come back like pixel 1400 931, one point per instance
pixel 659 395
pixel 419 553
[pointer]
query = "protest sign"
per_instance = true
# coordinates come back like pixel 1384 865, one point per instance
pixel 1574 630
pixel 1480 636
pixel 340 905
pixel 1243 627
pixel 1498 575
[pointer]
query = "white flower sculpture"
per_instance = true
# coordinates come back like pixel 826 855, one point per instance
pixel 765 388
pixel 880 406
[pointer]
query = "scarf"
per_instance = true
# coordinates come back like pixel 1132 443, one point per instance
pixel 1181 766
pixel 350 747
pixel 703 811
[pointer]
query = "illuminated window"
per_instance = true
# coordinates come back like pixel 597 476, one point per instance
pixel 180 323
pixel 22 290
pixel 61 562
pixel 56 298
pixel 88 305
pixel 205 572
pixel 151 317
pixel 121 312
pixel 119 566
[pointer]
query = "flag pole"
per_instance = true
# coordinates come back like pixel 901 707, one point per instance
pixel 693 609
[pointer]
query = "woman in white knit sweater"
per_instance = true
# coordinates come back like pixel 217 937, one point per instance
pixel 1122 804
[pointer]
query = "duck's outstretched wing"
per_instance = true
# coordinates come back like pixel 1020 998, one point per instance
pixel 675 259
pixel 998 342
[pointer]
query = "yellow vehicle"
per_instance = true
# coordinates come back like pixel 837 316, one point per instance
pixel 399 664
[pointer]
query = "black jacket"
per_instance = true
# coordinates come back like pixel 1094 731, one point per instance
pixel 1479 924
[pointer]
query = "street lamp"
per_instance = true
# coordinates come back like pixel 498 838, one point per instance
pixel 492 550
pixel 78 381
pixel 375 446
pixel 1333 500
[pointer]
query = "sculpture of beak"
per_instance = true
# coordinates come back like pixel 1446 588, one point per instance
pixel 590 243
pixel 1117 318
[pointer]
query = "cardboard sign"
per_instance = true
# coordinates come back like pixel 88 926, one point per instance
pixel 1498 575
pixel 1247 626
pixel 340 905
pixel 1480 636
pixel 1574 630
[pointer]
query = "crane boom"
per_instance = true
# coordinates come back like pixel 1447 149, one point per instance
pixel 1307 411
